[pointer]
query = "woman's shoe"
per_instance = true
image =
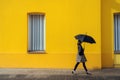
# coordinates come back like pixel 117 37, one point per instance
pixel 88 73
pixel 73 72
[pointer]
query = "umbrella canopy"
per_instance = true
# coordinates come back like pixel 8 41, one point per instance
pixel 85 38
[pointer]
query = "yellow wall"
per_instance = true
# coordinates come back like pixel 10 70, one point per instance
pixel 109 7
pixel 64 19
pixel 117 60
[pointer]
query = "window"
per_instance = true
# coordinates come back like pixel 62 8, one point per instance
pixel 36 30
pixel 117 33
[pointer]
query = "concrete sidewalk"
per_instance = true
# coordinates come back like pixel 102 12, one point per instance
pixel 58 74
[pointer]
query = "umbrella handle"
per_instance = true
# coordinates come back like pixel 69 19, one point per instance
pixel 84 43
pixel 84 46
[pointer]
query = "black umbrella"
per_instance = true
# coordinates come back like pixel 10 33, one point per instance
pixel 85 38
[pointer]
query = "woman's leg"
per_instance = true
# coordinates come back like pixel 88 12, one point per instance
pixel 76 66
pixel 85 66
pixel 86 69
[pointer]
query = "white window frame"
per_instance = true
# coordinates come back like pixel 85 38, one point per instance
pixel 38 49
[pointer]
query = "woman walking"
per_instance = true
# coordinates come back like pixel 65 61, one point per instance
pixel 80 58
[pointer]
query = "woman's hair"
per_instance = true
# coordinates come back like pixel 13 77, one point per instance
pixel 79 41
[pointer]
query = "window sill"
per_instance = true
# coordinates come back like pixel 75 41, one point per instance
pixel 36 52
pixel 117 52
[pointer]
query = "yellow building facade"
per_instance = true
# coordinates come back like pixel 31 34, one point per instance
pixel 108 9
pixel 63 20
